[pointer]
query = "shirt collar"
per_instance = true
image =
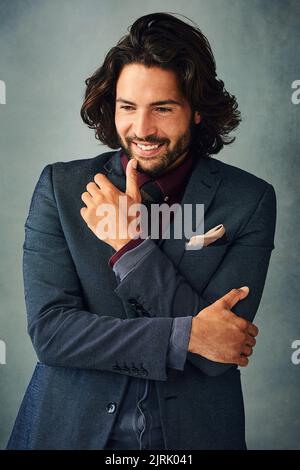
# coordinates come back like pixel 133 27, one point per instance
pixel 170 182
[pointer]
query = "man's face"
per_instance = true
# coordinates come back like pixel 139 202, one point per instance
pixel 152 118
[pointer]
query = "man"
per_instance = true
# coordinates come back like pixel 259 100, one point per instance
pixel 139 338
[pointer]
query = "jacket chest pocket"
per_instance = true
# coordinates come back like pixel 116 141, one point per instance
pixel 197 266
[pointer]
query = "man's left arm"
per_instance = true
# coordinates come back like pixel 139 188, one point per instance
pixel 149 280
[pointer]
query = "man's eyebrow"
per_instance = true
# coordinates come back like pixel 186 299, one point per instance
pixel 155 103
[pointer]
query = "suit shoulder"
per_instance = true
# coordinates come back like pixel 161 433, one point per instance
pixel 239 180
pixel 252 199
pixel 83 165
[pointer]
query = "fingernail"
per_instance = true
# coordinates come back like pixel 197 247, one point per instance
pixel 245 288
pixel 134 163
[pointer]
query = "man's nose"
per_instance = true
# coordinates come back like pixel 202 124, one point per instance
pixel 143 125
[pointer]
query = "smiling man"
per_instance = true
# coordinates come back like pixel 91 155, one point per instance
pixel 139 340
pixel 159 112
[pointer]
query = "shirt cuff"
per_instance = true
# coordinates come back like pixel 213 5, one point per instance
pixel 130 259
pixel 131 244
pixel 179 341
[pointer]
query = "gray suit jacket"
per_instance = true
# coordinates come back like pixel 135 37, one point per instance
pixel 84 325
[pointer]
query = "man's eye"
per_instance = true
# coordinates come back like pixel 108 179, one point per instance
pixel 164 110
pixel 127 108
pixel 159 109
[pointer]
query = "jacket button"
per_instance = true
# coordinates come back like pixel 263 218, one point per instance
pixel 125 368
pixel 134 369
pixel 117 367
pixel 111 407
pixel 143 371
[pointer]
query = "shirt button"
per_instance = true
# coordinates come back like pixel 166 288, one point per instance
pixel 166 198
pixel 111 407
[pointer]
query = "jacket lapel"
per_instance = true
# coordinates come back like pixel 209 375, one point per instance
pixel 201 188
pixel 114 171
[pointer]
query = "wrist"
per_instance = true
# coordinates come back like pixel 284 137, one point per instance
pixel 120 244
pixel 197 335
pixel 191 344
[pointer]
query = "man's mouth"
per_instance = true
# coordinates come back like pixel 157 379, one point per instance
pixel 147 149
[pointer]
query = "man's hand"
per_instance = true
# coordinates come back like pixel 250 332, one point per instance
pixel 103 194
pixel 220 335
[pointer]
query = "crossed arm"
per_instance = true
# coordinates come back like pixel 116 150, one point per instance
pixel 65 333
pixel 171 295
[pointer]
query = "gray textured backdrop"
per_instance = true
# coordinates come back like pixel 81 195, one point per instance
pixel 47 49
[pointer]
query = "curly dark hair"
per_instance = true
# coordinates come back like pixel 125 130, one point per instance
pixel 161 39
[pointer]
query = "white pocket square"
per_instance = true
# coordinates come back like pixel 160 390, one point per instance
pixel 198 241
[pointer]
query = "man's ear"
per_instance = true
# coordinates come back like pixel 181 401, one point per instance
pixel 197 117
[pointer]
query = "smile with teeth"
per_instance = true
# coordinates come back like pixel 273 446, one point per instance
pixel 148 147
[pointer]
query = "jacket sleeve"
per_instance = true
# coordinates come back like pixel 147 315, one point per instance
pixel 245 263
pixel 63 331
pixel 181 328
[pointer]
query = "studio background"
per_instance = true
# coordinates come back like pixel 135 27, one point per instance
pixel 47 50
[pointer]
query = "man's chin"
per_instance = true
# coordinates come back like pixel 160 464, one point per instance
pixel 152 166
pixel 149 167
